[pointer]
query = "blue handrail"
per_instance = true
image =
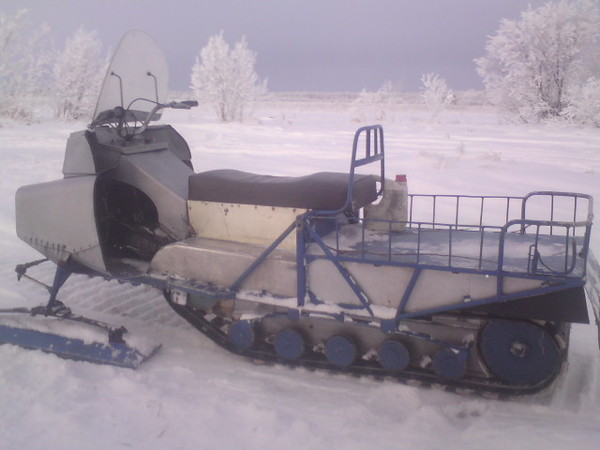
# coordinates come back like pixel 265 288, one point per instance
pixel 374 152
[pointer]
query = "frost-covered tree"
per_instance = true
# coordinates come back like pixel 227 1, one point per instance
pixel 78 73
pixel 24 62
pixel 225 78
pixel 532 64
pixel 584 107
pixel 436 93
pixel 375 106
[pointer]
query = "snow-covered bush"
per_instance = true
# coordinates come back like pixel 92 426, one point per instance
pixel 584 107
pixel 375 106
pixel 24 60
pixel 532 64
pixel 78 73
pixel 225 78
pixel 436 94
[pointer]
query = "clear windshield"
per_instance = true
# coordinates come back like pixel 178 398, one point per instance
pixel 137 73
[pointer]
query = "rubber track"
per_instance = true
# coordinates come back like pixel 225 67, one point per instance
pixel 263 352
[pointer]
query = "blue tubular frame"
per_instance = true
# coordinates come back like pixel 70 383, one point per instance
pixel 374 152
pixel 575 232
pixel 512 209
pixel 360 294
pixel 263 256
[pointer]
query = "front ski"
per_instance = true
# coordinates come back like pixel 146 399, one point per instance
pixel 70 336
pixel 53 328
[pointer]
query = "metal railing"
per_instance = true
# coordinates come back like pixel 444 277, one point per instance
pixel 460 210
pixel 491 224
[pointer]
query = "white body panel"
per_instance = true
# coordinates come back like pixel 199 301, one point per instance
pixel 221 262
pixel 385 285
pixel 252 224
pixel 58 219
pixel 78 156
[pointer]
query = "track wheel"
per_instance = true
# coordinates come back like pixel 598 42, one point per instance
pixel 241 334
pixel 289 344
pixel 340 351
pixel 393 355
pixel 450 363
pixel 519 352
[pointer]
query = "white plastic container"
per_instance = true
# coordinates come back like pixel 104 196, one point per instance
pixel 392 207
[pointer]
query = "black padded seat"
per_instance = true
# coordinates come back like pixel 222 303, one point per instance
pixel 321 191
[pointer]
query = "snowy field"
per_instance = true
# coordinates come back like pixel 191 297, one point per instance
pixel 194 395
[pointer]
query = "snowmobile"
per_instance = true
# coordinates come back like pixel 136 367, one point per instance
pixel 343 272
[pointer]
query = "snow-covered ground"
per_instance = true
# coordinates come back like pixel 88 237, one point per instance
pixel 192 394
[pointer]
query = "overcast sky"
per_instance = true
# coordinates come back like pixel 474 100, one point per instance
pixel 301 45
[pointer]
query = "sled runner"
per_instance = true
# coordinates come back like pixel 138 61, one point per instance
pixel 53 328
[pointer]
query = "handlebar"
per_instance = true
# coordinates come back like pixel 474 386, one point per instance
pixel 121 116
pixel 185 104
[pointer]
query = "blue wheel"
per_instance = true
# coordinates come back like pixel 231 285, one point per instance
pixel 519 352
pixel 393 355
pixel 450 364
pixel 340 351
pixel 289 344
pixel 241 334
